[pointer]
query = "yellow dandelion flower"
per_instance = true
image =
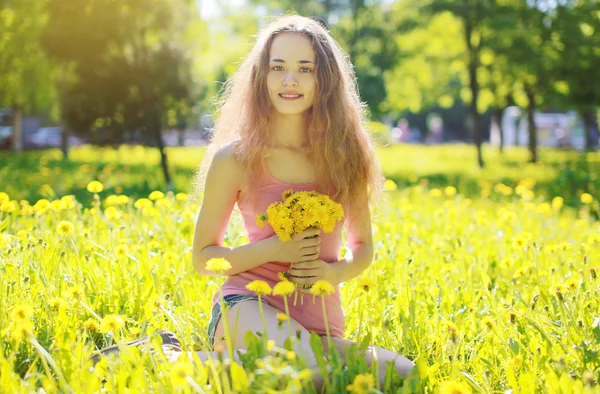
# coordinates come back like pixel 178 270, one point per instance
pixel 91 325
pixel 218 265
pixel 260 220
pixel 181 197
pixel 260 287
pixel 487 322
pixel 9 206
pixel 22 330
pixel 270 345
pixel 290 355
pixel 517 360
pixel 75 292
pixel 284 288
pixel 450 191
pixel 4 197
pixel 122 199
pixel 390 185
pixel 557 203
pixel 22 312
pixel 587 198
pixel 365 284
pixel 156 195
pixel 121 251
pixel 65 228
pixel 111 323
pixel 112 213
pixel 67 202
pixel 362 384
pixel 142 203
pixel 57 303
pixel 593 239
pixel 452 387
pixel 180 372
pixel 95 187
pixel 322 288
pixel 111 200
pixel 282 317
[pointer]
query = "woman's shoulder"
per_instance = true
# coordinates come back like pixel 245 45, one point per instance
pixel 227 158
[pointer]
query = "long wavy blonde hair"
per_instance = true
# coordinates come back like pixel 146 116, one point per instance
pixel 340 146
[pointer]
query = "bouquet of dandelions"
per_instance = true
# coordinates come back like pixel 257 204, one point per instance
pixel 300 211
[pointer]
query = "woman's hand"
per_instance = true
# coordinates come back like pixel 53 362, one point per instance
pixel 302 247
pixel 307 273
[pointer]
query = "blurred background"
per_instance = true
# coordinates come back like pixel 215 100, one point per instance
pixel 494 84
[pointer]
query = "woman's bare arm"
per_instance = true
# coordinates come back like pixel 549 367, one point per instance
pixel 223 183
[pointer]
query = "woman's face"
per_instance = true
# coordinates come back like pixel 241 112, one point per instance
pixel 291 78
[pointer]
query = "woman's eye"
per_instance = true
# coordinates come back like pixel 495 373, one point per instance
pixel 276 68
pixel 306 70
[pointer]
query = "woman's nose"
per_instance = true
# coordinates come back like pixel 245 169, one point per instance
pixel 289 80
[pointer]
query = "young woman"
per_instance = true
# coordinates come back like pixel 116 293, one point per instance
pixel 291 118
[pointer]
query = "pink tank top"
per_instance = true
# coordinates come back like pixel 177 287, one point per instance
pixel 309 315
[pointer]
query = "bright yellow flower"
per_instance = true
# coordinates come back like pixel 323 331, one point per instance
pixel 487 322
pixel 452 387
pixel 260 220
pixel 142 203
pixel 365 284
pixel 282 317
pixel 95 187
pixel 181 197
pixel 91 325
pixel 22 330
pixel 435 192
pixel 260 287
pixel 112 213
pixel 517 360
pixel 557 203
pixel 284 288
pixel 180 372
pixel 322 288
pixel 75 292
pixel 67 202
pixel 22 312
pixel 362 384
pixel 218 265
pixel 156 195
pixel 593 239
pixel 111 323
pixel 4 197
pixel 587 198
pixel 121 251
pixel 390 185
pixel 9 206
pixel 57 303
pixel 111 200
pixel 450 191
pixel 65 228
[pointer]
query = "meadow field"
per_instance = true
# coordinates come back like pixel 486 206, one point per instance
pixel 486 279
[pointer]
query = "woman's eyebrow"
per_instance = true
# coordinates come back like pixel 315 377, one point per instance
pixel 299 61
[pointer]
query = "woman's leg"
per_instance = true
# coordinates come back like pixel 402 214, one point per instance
pixel 247 315
pixel 374 353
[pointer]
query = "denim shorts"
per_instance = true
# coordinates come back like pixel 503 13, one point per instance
pixel 231 300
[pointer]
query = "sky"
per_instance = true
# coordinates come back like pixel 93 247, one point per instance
pixel 210 8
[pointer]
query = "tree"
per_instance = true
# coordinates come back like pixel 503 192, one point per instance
pixel 128 66
pixel 26 75
pixel 474 16
pixel 576 25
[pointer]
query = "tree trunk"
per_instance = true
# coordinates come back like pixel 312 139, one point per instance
pixel 474 85
pixel 17 136
pixel 498 114
pixel 156 130
pixel 531 123
pixel 587 116
pixel 64 143
pixel 181 137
